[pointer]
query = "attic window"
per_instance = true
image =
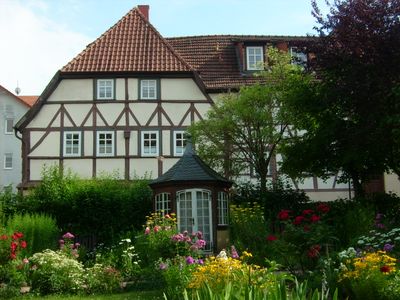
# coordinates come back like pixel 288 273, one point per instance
pixel 255 58
pixel 105 89
pixel 298 57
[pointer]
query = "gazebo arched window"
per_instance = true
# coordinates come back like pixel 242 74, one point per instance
pixel 222 208
pixel 163 203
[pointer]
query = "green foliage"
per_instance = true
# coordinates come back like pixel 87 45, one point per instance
pixel 8 203
pixel 103 207
pixel 245 129
pixel 40 231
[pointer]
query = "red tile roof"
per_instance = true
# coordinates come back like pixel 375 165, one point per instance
pixel 27 100
pixel 30 100
pixel 132 44
pixel 216 60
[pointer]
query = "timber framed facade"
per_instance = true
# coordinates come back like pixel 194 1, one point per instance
pixel 122 104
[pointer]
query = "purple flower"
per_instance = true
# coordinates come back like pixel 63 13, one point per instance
pixel 163 266
pixel 388 247
pixel 378 216
pixel 200 261
pixel 68 235
pixel 380 225
pixel 190 260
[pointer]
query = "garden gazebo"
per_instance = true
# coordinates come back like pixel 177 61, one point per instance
pixel 199 197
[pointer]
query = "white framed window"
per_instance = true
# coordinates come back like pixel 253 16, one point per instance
pixel 163 203
pixel 8 161
pixel 72 143
pixel 148 89
pixel 222 208
pixel 255 58
pixel 105 89
pixel 298 57
pixel 179 143
pixel 150 143
pixel 8 126
pixel 105 143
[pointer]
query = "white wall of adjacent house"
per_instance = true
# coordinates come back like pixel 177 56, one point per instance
pixel 11 110
pixel 72 107
pixel 392 183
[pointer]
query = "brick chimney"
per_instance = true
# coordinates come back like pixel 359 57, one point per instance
pixel 144 9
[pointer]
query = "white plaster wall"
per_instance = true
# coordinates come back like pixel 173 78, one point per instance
pixel 81 167
pixel 215 97
pixel 143 111
pixel 45 115
pixel 144 167
pixel 10 108
pixel 392 183
pixel 202 109
pixel 307 183
pixel 78 112
pixel 88 142
pixel 37 165
pixel 176 112
pixel 120 142
pixel 50 146
pixel 120 89
pixel 113 166
pixel 166 140
pixel 133 143
pixel 110 112
pixel 180 89
pixel 328 196
pixel 133 89
pixel 73 90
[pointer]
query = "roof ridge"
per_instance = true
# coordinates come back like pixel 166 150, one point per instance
pixel 239 36
pixel 15 96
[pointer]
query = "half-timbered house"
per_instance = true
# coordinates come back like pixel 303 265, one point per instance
pixel 123 104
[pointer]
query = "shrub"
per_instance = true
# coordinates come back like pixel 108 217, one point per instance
pixel 103 207
pixel 40 231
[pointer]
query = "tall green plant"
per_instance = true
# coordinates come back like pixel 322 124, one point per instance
pixel 40 230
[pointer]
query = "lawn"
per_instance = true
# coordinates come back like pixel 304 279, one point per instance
pixel 137 295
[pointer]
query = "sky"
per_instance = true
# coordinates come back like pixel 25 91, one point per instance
pixel 39 37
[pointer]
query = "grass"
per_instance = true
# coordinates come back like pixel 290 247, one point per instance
pixel 137 295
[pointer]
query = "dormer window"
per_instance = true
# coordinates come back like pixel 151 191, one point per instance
pixel 255 58
pixel 298 57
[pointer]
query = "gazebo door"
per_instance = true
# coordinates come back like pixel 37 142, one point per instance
pixel 194 213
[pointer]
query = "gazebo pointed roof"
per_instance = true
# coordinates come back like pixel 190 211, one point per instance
pixel 190 168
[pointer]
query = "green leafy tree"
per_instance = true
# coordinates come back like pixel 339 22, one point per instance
pixel 245 129
pixel 351 120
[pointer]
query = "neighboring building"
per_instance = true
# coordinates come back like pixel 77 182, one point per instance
pixel 12 108
pixel 124 103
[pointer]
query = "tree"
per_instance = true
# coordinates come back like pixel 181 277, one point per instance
pixel 245 128
pixel 352 121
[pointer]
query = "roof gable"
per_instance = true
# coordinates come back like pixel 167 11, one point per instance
pixel 22 99
pixel 132 45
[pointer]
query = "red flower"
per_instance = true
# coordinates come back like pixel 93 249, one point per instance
pixel 283 215
pixel 271 238
pixel 306 228
pixel 298 220
pixel 13 256
pixel 314 251
pixel 3 237
pixel 385 269
pixel 322 207
pixel 17 235
pixel 14 246
pixel 315 218
pixel 23 244
pixel 307 212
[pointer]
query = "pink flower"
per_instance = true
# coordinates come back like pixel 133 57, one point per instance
pixel 61 242
pixel 147 230
pixel 200 244
pixel 271 238
pixel 25 261
pixel 156 228
pixel 189 260
pixel 234 253
pixel 68 236
pixel 199 234
pixel 167 216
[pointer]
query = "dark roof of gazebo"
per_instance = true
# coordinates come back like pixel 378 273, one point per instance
pixel 190 168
